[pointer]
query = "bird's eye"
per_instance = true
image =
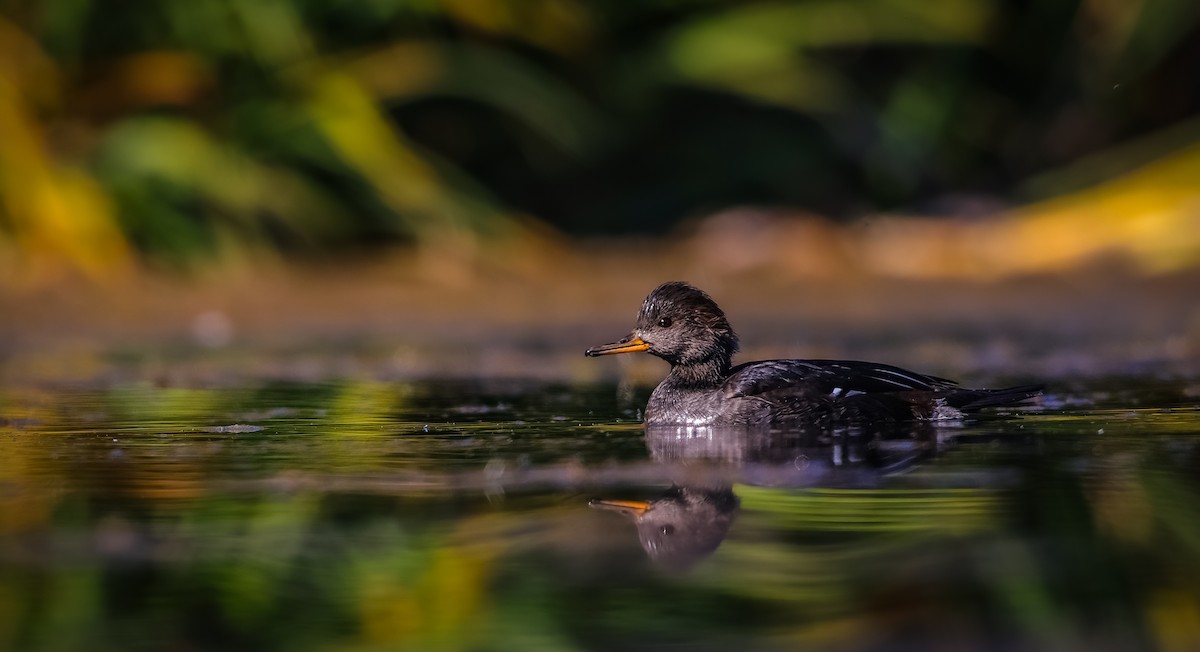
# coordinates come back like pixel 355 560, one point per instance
pixel 668 529
pixel 664 322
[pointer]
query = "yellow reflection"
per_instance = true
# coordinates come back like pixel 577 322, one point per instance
pixel 31 480
pixel 1174 617
pixel 439 606
pixel 860 510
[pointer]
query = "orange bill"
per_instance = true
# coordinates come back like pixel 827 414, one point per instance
pixel 630 344
pixel 630 507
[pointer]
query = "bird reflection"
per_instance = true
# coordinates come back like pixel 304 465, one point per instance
pixel 681 526
pixel 685 524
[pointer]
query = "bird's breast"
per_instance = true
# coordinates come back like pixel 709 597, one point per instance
pixel 697 407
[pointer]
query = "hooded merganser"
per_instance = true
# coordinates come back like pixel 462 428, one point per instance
pixel 683 325
pixel 682 526
pixel 686 523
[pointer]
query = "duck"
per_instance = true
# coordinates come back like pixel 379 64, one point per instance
pixel 683 325
pixel 682 526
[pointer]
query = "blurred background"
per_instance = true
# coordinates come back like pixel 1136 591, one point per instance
pixel 294 296
pixel 206 170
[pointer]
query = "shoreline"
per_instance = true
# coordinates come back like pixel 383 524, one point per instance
pixel 389 317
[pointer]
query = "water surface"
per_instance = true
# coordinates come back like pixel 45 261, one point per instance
pixel 364 515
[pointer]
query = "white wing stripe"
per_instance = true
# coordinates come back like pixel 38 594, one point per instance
pixel 912 379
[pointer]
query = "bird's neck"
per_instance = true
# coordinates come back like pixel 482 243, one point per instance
pixel 706 374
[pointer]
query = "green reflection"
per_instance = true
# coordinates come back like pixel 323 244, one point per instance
pixel 127 522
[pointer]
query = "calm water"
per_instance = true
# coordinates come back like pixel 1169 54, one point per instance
pixel 505 516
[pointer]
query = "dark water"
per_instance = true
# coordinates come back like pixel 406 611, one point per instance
pixel 506 516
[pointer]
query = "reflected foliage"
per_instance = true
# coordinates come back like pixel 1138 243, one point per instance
pixel 454 516
pixel 683 525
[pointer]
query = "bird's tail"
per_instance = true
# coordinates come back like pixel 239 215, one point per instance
pixel 969 400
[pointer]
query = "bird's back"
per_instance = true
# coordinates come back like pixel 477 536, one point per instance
pixel 854 391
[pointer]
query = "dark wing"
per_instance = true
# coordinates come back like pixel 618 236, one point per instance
pixel 836 378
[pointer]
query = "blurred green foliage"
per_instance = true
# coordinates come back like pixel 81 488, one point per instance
pixel 184 130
